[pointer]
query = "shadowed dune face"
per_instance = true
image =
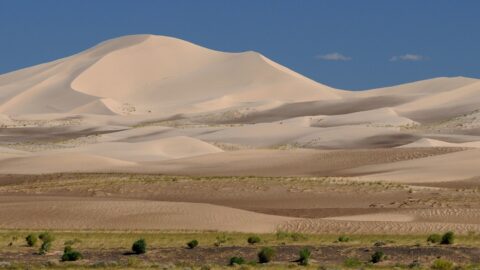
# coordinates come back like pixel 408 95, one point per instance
pixel 308 108
pixel 164 106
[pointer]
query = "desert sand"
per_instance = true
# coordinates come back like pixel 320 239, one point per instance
pixel 158 105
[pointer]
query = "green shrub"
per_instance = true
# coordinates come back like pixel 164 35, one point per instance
pixel 305 255
pixel 441 264
pixel 47 240
pixel 377 257
pixel 434 238
pixel 343 238
pixel 69 254
pixel 31 239
pixel 192 244
pixel 352 262
pixel 139 246
pixel 236 261
pixel 448 238
pixel 45 247
pixel 253 240
pixel 266 255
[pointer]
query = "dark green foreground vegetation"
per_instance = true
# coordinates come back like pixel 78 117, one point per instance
pixel 152 250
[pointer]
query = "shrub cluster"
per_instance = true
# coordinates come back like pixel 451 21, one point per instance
pixel 253 240
pixel 305 255
pixel 31 239
pixel 434 238
pixel 266 255
pixel 448 238
pixel 343 238
pixel 139 246
pixel 236 261
pixel 377 257
pixel 192 244
pixel 47 240
pixel 69 254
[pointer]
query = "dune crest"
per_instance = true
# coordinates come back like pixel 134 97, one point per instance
pixel 135 100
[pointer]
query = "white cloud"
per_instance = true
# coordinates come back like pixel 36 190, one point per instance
pixel 333 57
pixel 408 57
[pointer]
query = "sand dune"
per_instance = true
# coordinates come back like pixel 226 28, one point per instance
pixel 83 213
pixel 160 105
pixel 449 167
pixel 61 162
pixel 437 143
pixel 169 148
pixel 378 117
pixel 144 71
pixel 145 79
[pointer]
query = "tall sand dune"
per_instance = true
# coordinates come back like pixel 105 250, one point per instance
pixel 139 102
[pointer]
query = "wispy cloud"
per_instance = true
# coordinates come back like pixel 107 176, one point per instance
pixel 408 57
pixel 333 57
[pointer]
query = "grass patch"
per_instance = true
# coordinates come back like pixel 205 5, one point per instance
pixel 124 239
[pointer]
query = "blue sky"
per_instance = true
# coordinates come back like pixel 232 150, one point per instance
pixel 345 44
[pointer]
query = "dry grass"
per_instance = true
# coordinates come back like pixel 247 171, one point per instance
pixel 15 239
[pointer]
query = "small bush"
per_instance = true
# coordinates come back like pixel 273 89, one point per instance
pixel 305 255
pixel 31 239
pixel 343 238
pixel 252 240
pixel 448 238
pixel 377 257
pixel 266 255
pixel 69 254
pixel 47 240
pixel 45 247
pixel 352 262
pixel 236 261
pixel 192 244
pixel 139 246
pixel 441 264
pixel 434 238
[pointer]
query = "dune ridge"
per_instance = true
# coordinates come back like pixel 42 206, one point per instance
pixel 139 102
